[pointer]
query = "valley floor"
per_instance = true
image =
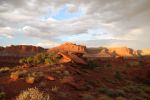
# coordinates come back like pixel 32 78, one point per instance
pixel 113 79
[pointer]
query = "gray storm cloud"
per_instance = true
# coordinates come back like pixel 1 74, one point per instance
pixel 125 22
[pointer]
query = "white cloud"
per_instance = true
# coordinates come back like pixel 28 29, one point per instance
pixel 47 44
pixel 6 32
pixel 105 21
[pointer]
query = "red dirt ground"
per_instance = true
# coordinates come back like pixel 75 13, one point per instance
pixel 81 80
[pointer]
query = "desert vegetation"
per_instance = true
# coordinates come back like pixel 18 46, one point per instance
pixel 41 58
pixel 33 94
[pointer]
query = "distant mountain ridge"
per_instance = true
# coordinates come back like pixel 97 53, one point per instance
pixel 101 51
pixel 28 50
pixel 20 50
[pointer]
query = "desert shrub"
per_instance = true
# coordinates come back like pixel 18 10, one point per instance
pixel 32 94
pixel 121 98
pixel 111 92
pixel 108 65
pixel 58 72
pixel 22 61
pixel 55 89
pixel 133 64
pixel 4 69
pixel 29 60
pixel 118 75
pixel 89 85
pixel 41 58
pixel 63 95
pixel 66 73
pixel 148 74
pixel 105 98
pixel 145 88
pixel 2 95
pixel 131 89
pixel 23 73
pixel 141 90
pixel 137 89
pixel 88 97
pixel 48 61
pixel 92 64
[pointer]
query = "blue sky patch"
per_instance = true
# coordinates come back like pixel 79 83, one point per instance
pixel 63 14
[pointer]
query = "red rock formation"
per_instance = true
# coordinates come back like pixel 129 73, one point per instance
pixel 122 51
pixel 69 57
pixel 25 50
pixel 70 47
pixel 145 52
pixel 9 56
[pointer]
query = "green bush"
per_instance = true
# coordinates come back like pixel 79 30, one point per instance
pixel 112 92
pixel 41 58
pixel 133 64
pixel 105 98
pixel 32 94
pixel 49 61
pixel 118 75
pixel 92 64
pixel 22 61
pixel 2 95
pixel 4 69
pixel 121 98
pixel 108 65
pixel 88 97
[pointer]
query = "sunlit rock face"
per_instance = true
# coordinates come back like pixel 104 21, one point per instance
pixel 70 47
pixel 20 50
pixel 122 51
pixel 145 52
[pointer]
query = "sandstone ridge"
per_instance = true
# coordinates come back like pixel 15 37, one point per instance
pixel 20 50
pixel 69 47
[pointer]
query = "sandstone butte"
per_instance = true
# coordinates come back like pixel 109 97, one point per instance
pixel 70 47
pixel 122 51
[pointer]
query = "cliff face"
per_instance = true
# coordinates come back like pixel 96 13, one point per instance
pixel 20 50
pixel 70 47
pixel 9 56
pixel 123 51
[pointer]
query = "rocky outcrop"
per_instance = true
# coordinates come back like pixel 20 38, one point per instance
pixel 122 51
pixel 145 52
pixel 69 57
pixel 10 55
pixel 70 47
pixel 105 53
pixel 20 50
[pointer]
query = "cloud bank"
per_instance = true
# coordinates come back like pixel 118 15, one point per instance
pixel 89 22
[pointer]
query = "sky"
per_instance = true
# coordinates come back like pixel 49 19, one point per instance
pixel 94 23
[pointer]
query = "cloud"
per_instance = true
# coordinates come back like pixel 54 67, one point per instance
pixel 97 20
pixel 6 32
